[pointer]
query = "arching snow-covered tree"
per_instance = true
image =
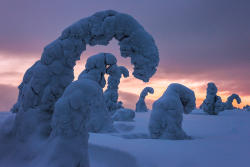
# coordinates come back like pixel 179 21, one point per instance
pixel 166 118
pixel 229 105
pixel 111 93
pixel 212 104
pixel 54 72
pixel 141 105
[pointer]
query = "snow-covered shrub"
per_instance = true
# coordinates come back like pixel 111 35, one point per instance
pixel 141 105
pixel 229 105
pixel 95 68
pixel 246 107
pixel 111 93
pixel 212 104
pixel 124 114
pixel 166 118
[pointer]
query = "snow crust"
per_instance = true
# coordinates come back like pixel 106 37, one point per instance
pixel 124 114
pixel 111 93
pixel 141 105
pixel 166 118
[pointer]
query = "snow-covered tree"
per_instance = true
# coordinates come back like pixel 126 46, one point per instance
pixel 246 107
pixel 141 105
pixel 166 118
pixel 95 68
pixel 229 102
pixel 212 104
pixel 111 93
pixel 49 77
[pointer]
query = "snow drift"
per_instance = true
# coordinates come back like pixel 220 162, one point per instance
pixel 124 114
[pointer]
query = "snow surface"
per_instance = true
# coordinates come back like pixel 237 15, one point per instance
pixel 221 140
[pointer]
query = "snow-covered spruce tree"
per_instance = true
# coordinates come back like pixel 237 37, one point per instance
pixel 95 68
pixel 248 109
pixel 54 72
pixel 212 104
pixel 229 105
pixel 124 114
pixel 166 118
pixel 111 93
pixel 141 105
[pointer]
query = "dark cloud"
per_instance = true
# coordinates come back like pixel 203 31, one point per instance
pixel 8 97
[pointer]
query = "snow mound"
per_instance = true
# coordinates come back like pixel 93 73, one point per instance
pixel 124 114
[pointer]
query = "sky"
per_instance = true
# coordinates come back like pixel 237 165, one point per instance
pixel 199 41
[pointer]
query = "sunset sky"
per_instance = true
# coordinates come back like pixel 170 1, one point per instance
pixel 199 41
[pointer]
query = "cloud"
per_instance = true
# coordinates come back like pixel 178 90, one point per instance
pixel 8 97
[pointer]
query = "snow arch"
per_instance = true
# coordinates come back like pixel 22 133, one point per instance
pixel 141 105
pixel 54 72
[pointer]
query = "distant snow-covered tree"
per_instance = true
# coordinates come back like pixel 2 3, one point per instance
pixel 212 104
pixel 141 105
pixel 229 102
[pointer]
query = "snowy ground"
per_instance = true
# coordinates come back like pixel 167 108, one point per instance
pixel 218 141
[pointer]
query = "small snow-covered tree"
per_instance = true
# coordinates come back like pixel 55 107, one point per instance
pixel 166 118
pixel 141 105
pixel 246 107
pixel 119 105
pixel 229 102
pixel 212 104
pixel 111 93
